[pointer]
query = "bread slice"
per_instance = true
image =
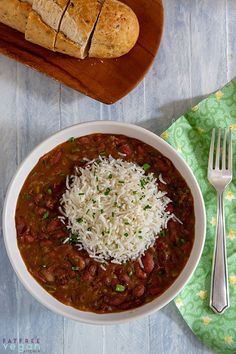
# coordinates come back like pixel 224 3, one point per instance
pixel 77 26
pixel 43 22
pixel 14 13
pixel 116 32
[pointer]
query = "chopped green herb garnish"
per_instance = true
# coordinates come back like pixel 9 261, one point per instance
pixel 75 268
pixel 94 201
pixel 81 193
pixel 121 182
pixel 113 214
pixel 79 220
pixel 115 204
pixel 71 139
pixel 126 223
pixel 110 176
pixel 49 190
pixel 140 237
pixel 97 179
pixel 181 241
pixel 134 192
pixel 103 233
pixel 102 211
pixel 147 207
pixel 78 278
pixel 94 215
pixel 126 234
pixel 146 166
pixel 162 233
pixel 98 189
pixel 102 153
pixel 87 211
pixel 130 273
pixel 107 191
pixel 28 196
pixel 89 229
pixel 120 288
pixel 73 239
pixel 62 174
pixel 45 215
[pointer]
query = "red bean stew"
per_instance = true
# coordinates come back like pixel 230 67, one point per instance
pixel 69 274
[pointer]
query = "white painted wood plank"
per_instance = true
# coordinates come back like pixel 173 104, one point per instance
pixel 208 47
pixel 131 337
pixel 231 37
pixel 8 134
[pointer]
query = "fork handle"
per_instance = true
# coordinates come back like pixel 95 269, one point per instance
pixel 219 298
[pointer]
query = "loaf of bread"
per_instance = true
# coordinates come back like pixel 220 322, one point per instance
pixel 79 28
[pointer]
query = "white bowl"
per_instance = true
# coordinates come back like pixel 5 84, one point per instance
pixel 9 229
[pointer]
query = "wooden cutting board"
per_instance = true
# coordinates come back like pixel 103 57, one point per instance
pixel 106 80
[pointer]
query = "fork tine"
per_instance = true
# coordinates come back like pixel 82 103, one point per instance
pixel 217 163
pixel 224 151
pixel 230 152
pixel 211 152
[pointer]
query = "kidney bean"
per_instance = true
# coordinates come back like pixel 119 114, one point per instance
pixel 20 224
pixel 29 238
pixel 139 272
pixel 55 158
pixel 163 164
pixel 169 207
pixel 148 262
pixel 50 204
pixel 63 250
pixel 86 276
pixel 37 198
pixel 59 234
pixel 172 227
pixel 139 290
pixel 76 260
pixel 114 281
pixel 126 149
pixel 54 225
pixel 61 276
pixel 124 278
pixel 58 186
pixel 116 300
pixel 92 269
pixel 48 275
pixel 154 291
pixel 84 140
pixel 40 211
pixel 140 150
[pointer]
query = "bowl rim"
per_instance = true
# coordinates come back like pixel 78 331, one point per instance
pixel 30 283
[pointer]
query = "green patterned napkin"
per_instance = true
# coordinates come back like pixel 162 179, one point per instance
pixel 191 136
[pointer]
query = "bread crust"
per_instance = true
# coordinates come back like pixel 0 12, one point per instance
pixel 14 13
pixel 116 32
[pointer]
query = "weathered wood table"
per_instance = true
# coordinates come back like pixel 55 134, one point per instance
pixel 197 56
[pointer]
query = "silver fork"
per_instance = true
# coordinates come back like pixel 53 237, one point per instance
pixel 220 176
